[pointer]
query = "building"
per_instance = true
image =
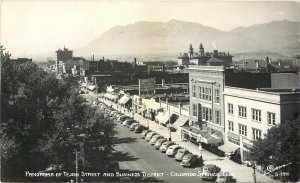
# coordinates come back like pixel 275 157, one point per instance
pixel 183 59
pixel 20 60
pixel 207 113
pixel 250 113
pixel 64 55
pixel 206 106
pixel 214 58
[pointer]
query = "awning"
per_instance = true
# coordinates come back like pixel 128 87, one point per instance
pixel 141 109
pixel 159 116
pixel 110 96
pixel 166 117
pixel 124 100
pixel 208 139
pixel 180 122
pixel 91 87
pixel 84 84
pixel 228 148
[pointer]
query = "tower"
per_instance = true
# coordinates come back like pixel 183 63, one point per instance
pixel 201 49
pixel 191 50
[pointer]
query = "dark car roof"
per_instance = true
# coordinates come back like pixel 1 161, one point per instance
pixel 210 166
pixel 168 142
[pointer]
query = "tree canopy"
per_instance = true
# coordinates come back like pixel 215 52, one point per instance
pixel 280 148
pixel 44 121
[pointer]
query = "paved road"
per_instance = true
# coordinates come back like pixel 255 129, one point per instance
pixel 141 156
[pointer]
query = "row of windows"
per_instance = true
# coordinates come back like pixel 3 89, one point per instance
pixel 206 94
pixel 243 130
pixel 207 114
pixel 256 114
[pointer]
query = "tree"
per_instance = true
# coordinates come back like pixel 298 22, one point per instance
pixel 42 120
pixel 280 147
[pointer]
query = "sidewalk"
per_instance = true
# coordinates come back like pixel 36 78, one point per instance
pixel 239 172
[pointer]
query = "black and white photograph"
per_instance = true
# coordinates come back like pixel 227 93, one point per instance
pixel 170 91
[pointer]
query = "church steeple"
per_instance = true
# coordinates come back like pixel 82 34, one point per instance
pixel 201 49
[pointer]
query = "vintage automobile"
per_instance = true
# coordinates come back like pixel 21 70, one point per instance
pixel 210 172
pixel 172 150
pixel 163 148
pixel 189 160
pixel 180 153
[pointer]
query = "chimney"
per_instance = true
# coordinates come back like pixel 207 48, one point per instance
pixel 134 61
pixel 93 57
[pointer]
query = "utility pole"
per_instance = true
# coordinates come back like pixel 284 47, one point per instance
pixel 170 124
pixel 254 173
pixel 76 166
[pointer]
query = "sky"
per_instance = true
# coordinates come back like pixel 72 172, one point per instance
pixel 36 27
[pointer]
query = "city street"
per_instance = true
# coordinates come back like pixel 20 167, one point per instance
pixel 239 172
pixel 141 156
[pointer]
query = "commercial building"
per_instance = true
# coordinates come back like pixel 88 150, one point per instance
pixel 206 106
pixel 207 112
pixel 214 58
pixel 250 113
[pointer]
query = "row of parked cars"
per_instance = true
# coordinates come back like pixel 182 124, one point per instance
pixel 171 149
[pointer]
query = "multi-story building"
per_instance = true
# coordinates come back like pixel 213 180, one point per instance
pixel 206 104
pixel 63 55
pixel 214 58
pixel 250 113
pixel 207 113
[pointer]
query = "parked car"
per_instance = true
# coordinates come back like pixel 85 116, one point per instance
pixel 132 126
pixel 225 177
pixel 165 145
pixel 154 139
pixel 180 153
pixel 189 160
pixel 159 143
pixel 128 121
pixel 210 172
pixel 149 135
pixel 139 128
pixel 122 118
pixel 144 133
pixel 172 150
pixel 112 113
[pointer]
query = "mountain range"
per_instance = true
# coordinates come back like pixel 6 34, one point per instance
pixel 175 36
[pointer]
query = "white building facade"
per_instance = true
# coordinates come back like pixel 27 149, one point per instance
pixel 250 113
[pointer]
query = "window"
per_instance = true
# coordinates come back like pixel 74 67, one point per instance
pixel 230 108
pixel 256 115
pixel 217 96
pixel 218 117
pixel 243 130
pixel 207 95
pixel 256 134
pixel 271 118
pixel 194 91
pixel 200 92
pixel 203 93
pixel 230 126
pixel 242 111
pixel 194 110
pixel 206 114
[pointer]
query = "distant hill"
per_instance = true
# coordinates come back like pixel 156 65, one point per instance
pixel 174 36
